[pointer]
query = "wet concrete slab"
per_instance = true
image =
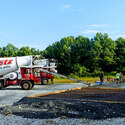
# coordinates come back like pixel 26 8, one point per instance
pixel 111 85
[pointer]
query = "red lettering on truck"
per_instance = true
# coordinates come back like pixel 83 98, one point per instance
pixel 1 62
pixel 6 62
pixel 9 61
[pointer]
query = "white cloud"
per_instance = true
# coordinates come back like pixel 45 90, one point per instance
pixel 66 7
pixel 98 25
pixel 116 34
pixel 90 31
pixel 69 8
pixel 121 36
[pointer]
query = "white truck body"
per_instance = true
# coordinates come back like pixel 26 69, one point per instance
pixel 11 64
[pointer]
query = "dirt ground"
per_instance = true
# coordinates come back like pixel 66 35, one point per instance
pixel 90 103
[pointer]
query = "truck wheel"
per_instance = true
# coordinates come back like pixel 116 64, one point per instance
pixel 1 84
pixel 44 81
pixel 32 85
pixel 26 85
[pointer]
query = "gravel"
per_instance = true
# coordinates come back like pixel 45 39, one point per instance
pixel 10 96
pixel 17 120
pixel 54 108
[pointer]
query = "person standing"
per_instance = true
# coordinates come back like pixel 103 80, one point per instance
pixel 101 76
pixel 118 77
pixel 121 76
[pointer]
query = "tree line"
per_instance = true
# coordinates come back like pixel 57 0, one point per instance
pixel 12 51
pixel 82 56
pixel 79 56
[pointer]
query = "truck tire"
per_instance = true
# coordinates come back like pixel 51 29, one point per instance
pixel 44 81
pixel 32 85
pixel 26 85
pixel 1 84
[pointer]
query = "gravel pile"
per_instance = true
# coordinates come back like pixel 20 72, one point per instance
pixel 36 108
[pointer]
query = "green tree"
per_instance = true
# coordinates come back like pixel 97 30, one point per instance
pixel 120 54
pixel 24 51
pixel 34 51
pixel 103 51
pixel 81 52
pixel 9 51
pixel 1 50
pixel 61 51
pixel 80 70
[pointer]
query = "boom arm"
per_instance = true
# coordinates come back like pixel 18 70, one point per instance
pixel 63 76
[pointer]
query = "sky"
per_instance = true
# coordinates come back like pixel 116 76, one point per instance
pixel 40 23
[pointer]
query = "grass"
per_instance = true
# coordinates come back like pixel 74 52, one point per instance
pixel 87 79
pixel 90 79
pixel 63 81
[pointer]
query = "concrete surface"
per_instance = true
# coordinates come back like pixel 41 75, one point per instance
pixel 112 85
pixel 12 94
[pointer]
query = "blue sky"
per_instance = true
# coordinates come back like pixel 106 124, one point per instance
pixel 39 23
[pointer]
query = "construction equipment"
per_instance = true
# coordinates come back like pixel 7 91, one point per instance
pixel 24 71
pixel 28 70
pixel 63 76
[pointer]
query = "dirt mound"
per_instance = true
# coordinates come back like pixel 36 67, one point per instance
pixel 53 108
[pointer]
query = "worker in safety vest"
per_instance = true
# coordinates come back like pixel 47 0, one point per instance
pixel 118 77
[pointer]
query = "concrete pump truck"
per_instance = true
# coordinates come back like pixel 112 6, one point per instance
pixel 25 71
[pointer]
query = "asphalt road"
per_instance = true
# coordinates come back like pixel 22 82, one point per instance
pixel 12 94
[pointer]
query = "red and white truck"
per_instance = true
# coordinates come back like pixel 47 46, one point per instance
pixel 25 71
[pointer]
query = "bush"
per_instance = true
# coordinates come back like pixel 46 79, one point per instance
pixel 95 73
pixel 72 75
pixel 80 70
pixel 123 70
pixel 113 73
